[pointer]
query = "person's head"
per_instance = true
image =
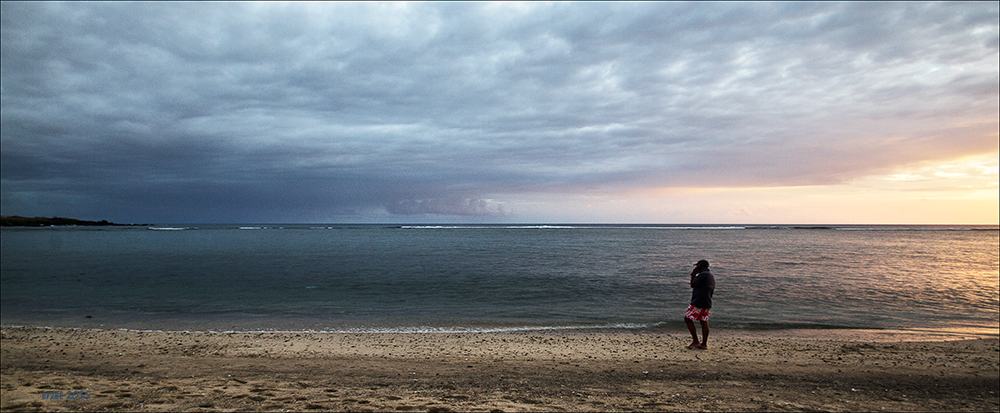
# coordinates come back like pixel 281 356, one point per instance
pixel 702 265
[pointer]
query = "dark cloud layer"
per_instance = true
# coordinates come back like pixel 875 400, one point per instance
pixel 345 111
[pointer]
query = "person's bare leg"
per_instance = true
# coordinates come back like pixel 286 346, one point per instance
pixel 704 335
pixel 694 333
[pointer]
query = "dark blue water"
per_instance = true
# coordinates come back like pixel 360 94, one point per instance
pixel 397 278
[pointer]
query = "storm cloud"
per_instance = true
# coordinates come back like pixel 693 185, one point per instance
pixel 290 112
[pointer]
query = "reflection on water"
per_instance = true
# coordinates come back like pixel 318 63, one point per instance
pixel 494 277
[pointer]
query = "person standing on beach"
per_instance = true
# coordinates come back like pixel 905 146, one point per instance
pixel 703 287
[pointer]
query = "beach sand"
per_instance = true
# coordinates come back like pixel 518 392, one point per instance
pixel 523 371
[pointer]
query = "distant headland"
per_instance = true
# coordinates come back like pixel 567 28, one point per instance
pixel 17 221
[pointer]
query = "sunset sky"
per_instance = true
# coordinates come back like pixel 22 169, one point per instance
pixel 753 113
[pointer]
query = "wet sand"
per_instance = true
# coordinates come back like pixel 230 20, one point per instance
pixel 524 371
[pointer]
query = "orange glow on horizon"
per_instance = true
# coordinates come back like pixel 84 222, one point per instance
pixel 957 192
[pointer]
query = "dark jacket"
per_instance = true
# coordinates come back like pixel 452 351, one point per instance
pixel 703 287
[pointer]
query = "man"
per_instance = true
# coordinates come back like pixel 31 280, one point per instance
pixel 703 287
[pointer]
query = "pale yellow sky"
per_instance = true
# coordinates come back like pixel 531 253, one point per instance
pixel 960 191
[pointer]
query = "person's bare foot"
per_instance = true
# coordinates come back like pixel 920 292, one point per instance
pixel 701 347
pixel 694 344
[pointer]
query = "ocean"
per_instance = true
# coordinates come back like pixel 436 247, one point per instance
pixel 471 278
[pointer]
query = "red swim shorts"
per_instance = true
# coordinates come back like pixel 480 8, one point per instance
pixel 696 314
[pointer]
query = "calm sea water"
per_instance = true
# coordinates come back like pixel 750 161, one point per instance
pixel 497 277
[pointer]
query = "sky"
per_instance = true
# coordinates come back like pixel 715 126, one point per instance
pixel 570 112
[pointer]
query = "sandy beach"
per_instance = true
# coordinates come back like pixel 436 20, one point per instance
pixel 99 370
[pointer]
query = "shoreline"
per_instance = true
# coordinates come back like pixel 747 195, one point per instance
pixel 507 371
pixel 804 333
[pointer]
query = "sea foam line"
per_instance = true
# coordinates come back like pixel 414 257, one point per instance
pixel 364 330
